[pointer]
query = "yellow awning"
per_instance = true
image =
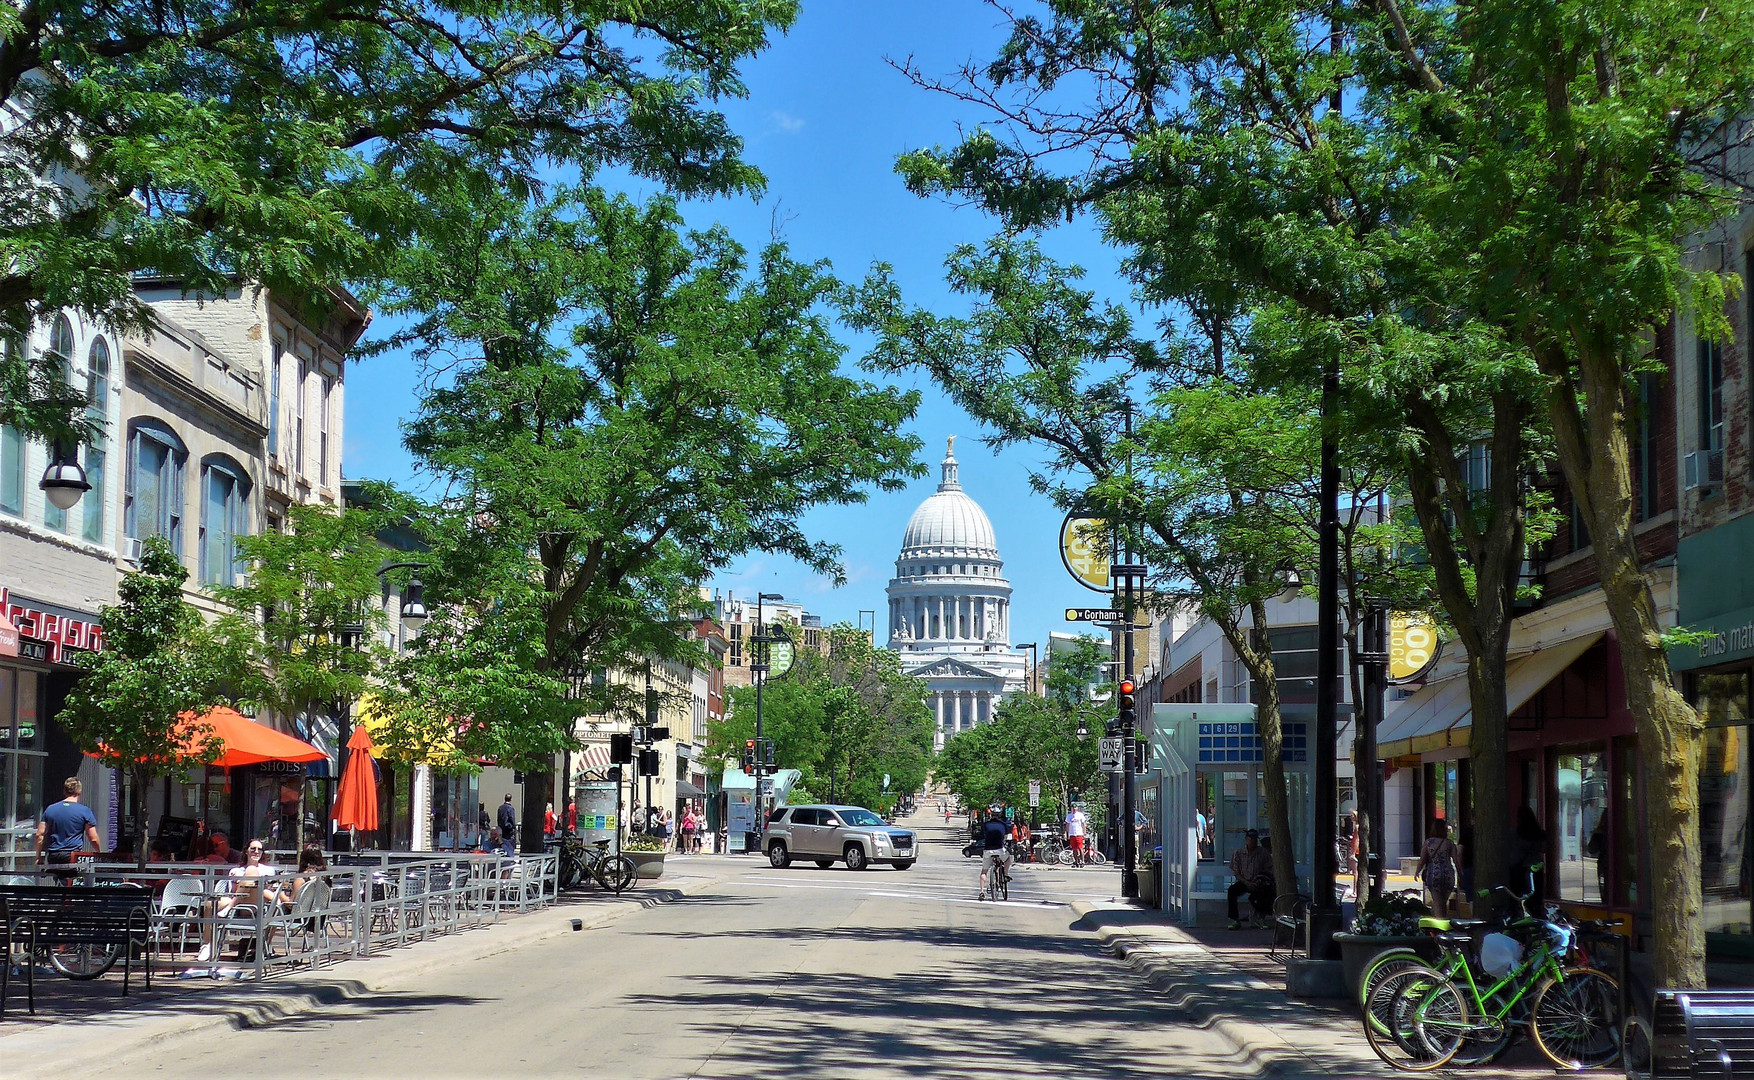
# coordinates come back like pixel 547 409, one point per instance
pixel 1440 714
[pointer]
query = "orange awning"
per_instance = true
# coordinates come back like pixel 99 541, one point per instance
pixel 247 742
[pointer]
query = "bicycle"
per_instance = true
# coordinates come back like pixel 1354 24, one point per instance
pixel 1421 1018
pixel 579 861
pixel 999 881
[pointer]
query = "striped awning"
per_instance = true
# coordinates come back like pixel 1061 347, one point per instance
pixel 594 757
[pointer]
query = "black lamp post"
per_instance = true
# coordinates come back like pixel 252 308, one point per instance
pixel 413 613
pixel 1034 662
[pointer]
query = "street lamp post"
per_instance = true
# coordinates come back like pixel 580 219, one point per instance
pixel 1034 662
pixel 758 670
pixel 1324 915
pixel 412 612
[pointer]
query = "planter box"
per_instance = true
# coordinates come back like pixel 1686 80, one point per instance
pixel 1357 950
pixel 649 863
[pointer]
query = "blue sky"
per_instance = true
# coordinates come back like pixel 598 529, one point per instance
pixel 825 119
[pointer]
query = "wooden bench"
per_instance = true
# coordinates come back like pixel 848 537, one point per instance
pixel 1694 1035
pixel 50 916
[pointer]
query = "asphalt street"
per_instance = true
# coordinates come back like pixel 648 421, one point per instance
pixel 802 972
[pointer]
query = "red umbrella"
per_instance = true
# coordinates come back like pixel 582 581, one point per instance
pixel 356 801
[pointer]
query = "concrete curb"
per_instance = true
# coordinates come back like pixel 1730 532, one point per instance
pixel 77 1045
pixel 1257 1045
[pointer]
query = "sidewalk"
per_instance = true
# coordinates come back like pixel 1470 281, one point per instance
pixel 78 1024
pixel 1222 980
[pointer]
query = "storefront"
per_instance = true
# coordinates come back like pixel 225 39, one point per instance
pixel 1717 598
pixel 38 644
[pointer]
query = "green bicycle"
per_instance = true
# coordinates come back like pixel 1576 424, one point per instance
pixel 1419 1019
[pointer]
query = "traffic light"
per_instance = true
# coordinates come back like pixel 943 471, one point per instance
pixel 769 750
pixel 749 756
pixel 659 734
pixel 1140 753
pixel 621 749
pixel 1127 713
pixel 648 762
pixel 651 706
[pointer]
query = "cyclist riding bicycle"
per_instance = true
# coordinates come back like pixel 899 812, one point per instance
pixel 994 833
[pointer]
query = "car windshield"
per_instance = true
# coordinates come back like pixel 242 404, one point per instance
pixel 860 817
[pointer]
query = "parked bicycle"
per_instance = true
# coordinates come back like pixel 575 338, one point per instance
pixel 578 861
pixel 1420 1018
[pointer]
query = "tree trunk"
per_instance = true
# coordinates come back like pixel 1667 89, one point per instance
pixel 1596 456
pixel 1488 741
pixel 1259 660
pixel 142 845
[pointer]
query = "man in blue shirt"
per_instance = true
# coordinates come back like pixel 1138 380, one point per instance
pixel 66 827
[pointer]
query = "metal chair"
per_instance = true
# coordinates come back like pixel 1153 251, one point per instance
pixel 1289 921
pixel 179 909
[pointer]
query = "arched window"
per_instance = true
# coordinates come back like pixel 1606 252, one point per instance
pixel 153 495
pixel 60 354
pixel 97 395
pixel 225 502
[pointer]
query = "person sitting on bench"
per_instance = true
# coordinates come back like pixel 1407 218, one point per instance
pixel 1252 867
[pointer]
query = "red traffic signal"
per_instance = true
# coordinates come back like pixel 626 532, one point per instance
pixel 1127 686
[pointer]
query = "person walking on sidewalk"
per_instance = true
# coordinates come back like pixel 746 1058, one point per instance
pixel 1076 826
pixel 1252 867
pixel 508 825
pixel 1437 867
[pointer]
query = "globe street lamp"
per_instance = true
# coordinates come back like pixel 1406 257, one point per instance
pixel 63 481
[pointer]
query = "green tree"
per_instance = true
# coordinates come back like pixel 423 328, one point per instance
pixel 307 613
pixel 1250 196
pixel 159 664
pixel 845 719
pixel 628 407
pixel 1561 158
pixel 299 144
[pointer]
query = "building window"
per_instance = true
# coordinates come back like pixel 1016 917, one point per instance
pixel 274 399
pixel 97 395
pixel 11 470
pixel 1723 701
pixel 325 386
pixel 154 495
pixel 224 517
pixel 1579 839
pixel 61 355
pixel 1646 465
pixel 1580 529
pixel 298 427
pixel 1711 396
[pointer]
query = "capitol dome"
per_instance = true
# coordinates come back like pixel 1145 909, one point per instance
pixel 949 523
pixel 950 608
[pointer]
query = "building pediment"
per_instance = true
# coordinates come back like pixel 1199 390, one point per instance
pixel 950 667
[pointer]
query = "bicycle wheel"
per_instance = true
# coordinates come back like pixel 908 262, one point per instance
pixel 1635 1049
pixel 570 868
pixel 618 873
pixel 1390 963
pixel 82 962
pixel 1421 1016
pixel 1094 856
pixel 1576 1019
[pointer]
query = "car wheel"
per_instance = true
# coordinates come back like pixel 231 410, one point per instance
pixel 779 856
pixel 824 864
pixel 855 857
pixel 905 864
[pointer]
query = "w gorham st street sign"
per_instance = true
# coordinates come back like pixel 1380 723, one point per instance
pixel 1141 617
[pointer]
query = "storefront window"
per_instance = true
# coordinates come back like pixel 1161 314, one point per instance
pixel 1580 832
pixel 1629 818
pixel 1723 830
pixel 1206 803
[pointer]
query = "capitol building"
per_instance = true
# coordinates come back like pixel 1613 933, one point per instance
pixel 950 608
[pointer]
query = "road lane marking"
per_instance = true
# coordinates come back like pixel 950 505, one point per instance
pixel 908 896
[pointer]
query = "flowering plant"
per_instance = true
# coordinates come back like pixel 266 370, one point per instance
pixel 1391 915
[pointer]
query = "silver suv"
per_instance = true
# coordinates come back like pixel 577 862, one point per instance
pixel 827 834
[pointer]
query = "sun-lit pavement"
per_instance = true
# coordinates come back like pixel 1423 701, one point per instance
pixel 799 973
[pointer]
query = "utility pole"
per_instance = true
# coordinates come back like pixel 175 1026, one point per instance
pixel 1324 916
pixel 1129 738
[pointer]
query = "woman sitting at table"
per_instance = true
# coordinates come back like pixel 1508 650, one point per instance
pixel 245 892
pixel 311 867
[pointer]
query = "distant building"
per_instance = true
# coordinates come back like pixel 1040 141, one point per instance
pixel 950 608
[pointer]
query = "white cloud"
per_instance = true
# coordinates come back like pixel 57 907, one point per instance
pixel 788 123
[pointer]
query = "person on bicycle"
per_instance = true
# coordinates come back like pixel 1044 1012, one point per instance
pixel 994 833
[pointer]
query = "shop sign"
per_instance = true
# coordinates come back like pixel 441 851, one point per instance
pixel 8 635
pixel 280 768
pixel 1081 551
pixel 1731 637
pixel 46 636
pixel 1413 647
